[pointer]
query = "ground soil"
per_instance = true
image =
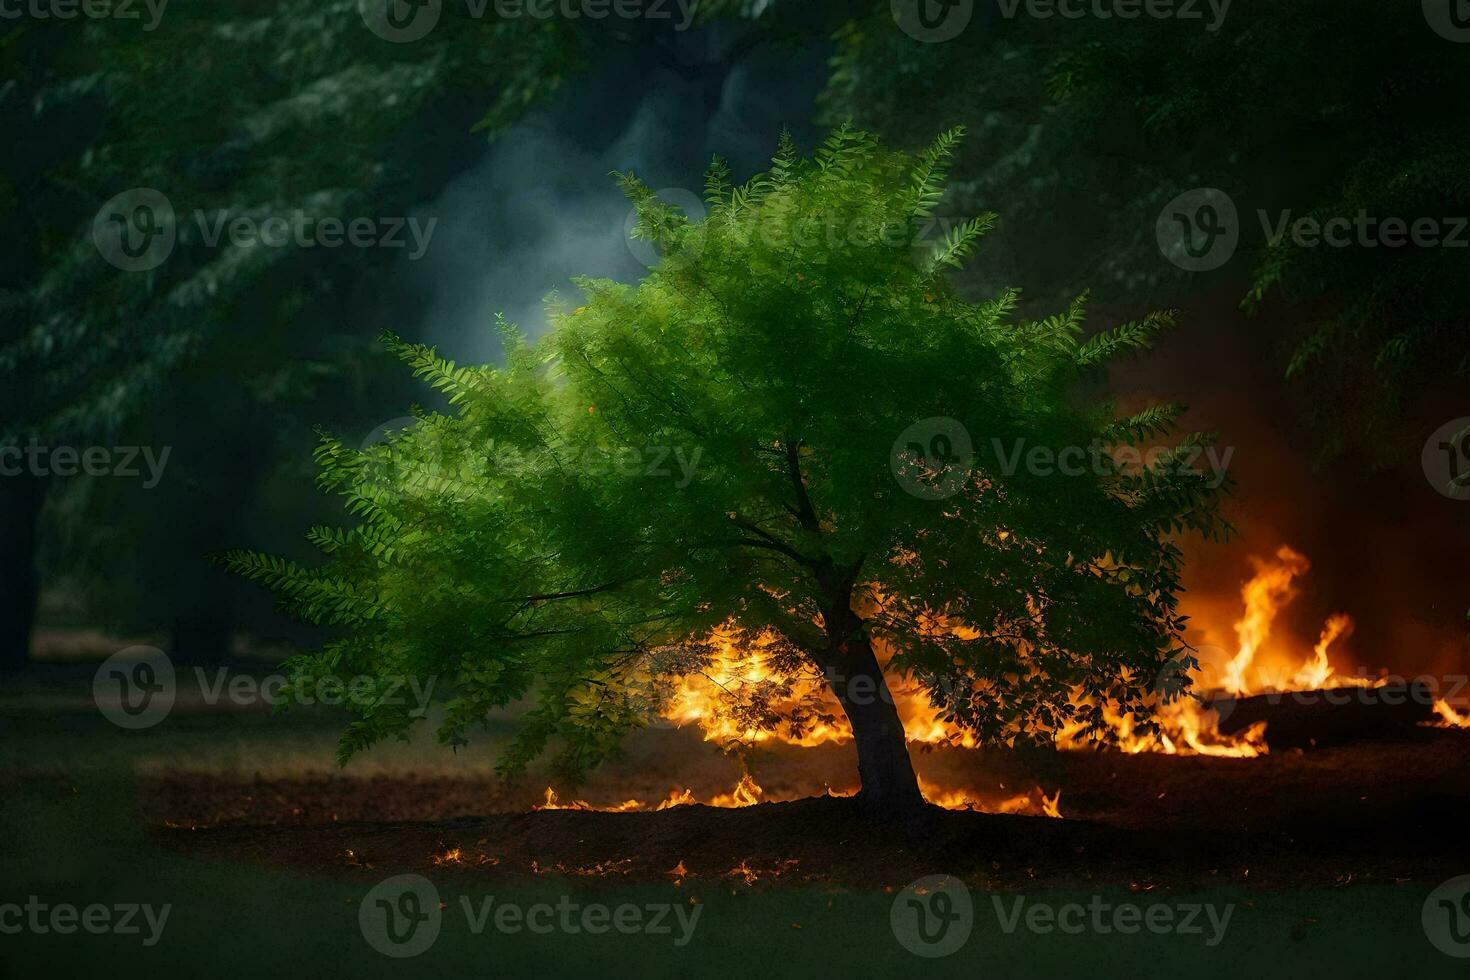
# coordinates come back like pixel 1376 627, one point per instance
pixel 1369 812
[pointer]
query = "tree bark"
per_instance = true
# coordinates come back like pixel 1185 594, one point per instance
pixel 889 786
pixel 21 497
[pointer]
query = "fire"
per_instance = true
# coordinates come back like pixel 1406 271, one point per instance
pixel 1033 803
pixel 747 792
pixel 742 670
pixel 748 682
pixel 552 804
pixel 455 857
pixel 677 798
pixel 1265 595
pixel 1318 673
pixel 1450 718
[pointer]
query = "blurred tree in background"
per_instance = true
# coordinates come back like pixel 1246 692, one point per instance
pixel 1085 129
pixel 253 109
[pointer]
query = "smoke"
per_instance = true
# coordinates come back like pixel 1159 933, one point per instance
pixel 542 207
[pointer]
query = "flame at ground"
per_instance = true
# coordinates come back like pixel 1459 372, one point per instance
pixel 748 792
pixel 1035 802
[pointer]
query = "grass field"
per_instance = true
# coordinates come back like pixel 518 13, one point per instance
pixel 74 832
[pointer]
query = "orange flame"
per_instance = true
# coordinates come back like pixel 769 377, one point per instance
pixel 742 669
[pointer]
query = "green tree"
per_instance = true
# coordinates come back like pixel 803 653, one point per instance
pixel 523 547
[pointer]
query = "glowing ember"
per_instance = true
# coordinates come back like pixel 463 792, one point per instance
pixel 750 875
pixel 455 857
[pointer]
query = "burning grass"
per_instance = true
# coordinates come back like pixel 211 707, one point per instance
pixel 1289 819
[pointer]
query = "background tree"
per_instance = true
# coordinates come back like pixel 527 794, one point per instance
pixel 233 110
pixel 1086 128
pixel 523 548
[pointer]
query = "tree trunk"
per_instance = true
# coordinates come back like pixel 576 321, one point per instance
pixel 889 787
pixel 21 497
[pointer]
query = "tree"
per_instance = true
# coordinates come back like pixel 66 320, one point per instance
pixel 1109 120
pixel 525 548
pixel 291 106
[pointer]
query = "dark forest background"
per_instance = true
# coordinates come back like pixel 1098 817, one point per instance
pixel 1326 368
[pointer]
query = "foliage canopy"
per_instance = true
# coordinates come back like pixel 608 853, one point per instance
pixel 521 547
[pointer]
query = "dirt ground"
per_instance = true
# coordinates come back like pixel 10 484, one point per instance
pixel 1385 812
